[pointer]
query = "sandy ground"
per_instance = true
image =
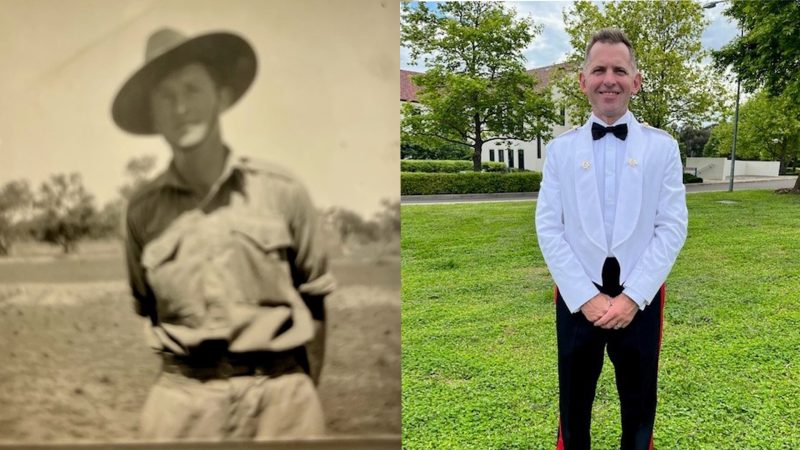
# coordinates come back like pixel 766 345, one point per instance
pixel 76 368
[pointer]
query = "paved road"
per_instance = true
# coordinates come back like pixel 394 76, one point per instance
pixel 745 184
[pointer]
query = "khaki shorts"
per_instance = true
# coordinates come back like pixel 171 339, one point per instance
pixel 238 408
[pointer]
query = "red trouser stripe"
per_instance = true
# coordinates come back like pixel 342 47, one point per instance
pixel 560 443
pixel 663 292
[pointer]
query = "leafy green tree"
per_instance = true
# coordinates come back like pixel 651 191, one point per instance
pixel 677 88
pixel 768 53
pixel 769 130
pixel 693 140
pixel 411 150
pixel 15 198
pixel 66 211
pixel 476 89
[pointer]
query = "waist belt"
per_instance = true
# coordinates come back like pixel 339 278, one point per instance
pixel 271 364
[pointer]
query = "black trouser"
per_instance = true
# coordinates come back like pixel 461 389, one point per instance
pixel 633 351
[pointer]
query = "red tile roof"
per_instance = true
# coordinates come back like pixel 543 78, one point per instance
pixel 544 74
pixel 408 91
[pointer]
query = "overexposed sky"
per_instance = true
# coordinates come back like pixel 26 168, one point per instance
pixel 323 104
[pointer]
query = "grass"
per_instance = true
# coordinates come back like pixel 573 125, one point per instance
pixel 76 368
pixel 478 330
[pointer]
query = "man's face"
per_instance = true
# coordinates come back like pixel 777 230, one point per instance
pixel 185 105
pixel 609 79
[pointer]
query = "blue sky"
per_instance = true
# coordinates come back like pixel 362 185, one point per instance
pixel 552 45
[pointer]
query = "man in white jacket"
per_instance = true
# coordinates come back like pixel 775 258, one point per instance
pixel 610 219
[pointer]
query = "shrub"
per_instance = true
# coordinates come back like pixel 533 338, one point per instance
pixel 689 178
pixel 433 165
pixel 491 166
pixel 447 166
pixel 468 183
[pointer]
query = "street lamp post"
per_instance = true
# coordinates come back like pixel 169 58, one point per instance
pixel 710 5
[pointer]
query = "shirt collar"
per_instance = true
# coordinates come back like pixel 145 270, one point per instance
pixel 173 179
pixel 626 119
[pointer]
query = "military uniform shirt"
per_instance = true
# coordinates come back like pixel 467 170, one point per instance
pixel 609 157
pixel 189 275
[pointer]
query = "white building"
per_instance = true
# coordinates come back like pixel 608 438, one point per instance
pixel 523 155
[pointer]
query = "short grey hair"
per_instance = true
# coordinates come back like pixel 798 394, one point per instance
pixel 610 36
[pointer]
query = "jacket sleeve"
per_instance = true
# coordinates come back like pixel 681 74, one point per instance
pixel 669 235
pixel 310 270
pixel 144 300
pixel 574 284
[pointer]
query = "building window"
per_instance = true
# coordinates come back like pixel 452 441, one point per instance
pixel 510 158
pixel 521 158
pixel 563 116
pixel 491 154
pixel 500 155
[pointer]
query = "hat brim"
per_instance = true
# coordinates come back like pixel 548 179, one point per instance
pixel 230 55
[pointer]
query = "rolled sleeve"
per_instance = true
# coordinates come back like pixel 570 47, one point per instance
pixel 310 271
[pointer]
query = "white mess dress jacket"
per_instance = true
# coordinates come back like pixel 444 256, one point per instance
pixel 650 222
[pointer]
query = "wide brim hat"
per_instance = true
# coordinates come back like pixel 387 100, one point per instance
pixel 229 55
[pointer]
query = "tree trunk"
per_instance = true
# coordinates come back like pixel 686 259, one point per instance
pixel 476 156
pixel 68 246
pixel 796 187
pixel 478 147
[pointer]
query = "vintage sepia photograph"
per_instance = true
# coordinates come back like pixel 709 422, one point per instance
pixel 199 223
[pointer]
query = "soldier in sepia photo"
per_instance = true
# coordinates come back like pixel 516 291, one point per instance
pixel 199 223
pixel 223 255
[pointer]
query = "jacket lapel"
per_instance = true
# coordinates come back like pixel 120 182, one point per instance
pixel 629 196
pixel 591 215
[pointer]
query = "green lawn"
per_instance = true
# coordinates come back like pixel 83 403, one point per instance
pixel 478 330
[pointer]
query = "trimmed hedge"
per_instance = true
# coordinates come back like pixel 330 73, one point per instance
pixel 434 165
pixel 493 166
pixel 689 178
pixel 468 183
pixel 447 166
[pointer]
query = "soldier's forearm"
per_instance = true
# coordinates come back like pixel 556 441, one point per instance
pixel 316 351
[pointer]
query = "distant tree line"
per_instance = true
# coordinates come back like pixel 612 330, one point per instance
pixel 353 228
pixel 62 212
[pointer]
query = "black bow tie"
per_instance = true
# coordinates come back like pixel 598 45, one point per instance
pixel 620 131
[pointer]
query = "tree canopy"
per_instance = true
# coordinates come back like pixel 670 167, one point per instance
pixel 693 140
pixel 476 89
pixel 15 198
pixel 678 90
pixel 769 130
pixel 67 211
pixel 768 53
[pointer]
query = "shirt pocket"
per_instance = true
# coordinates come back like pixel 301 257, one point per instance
pixel 270 235
pixel 263 260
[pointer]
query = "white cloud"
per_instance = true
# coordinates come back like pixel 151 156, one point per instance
pixel 552 45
